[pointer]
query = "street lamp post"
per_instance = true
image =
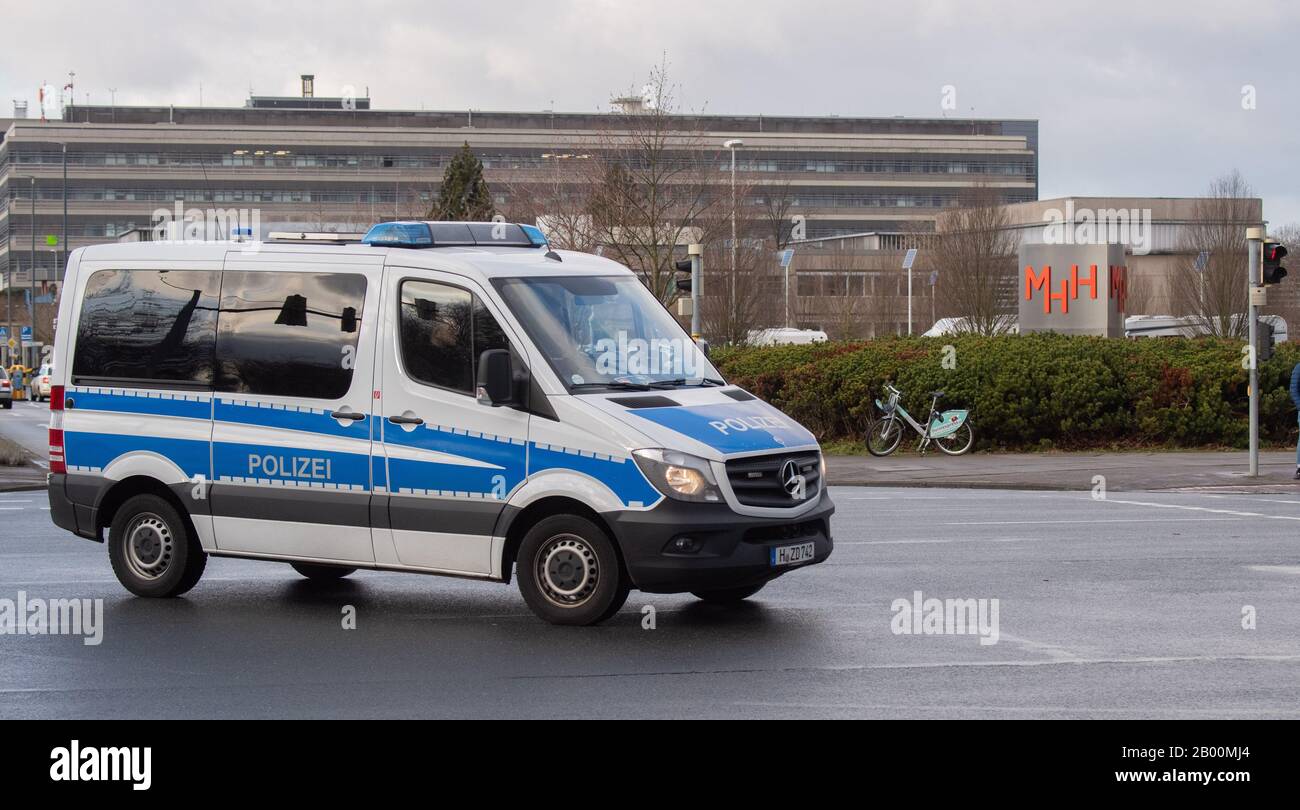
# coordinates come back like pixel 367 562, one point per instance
pixel 733 144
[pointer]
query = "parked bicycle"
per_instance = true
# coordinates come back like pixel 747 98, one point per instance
pixel 950 431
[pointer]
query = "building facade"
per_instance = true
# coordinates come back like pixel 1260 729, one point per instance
pixel 297 162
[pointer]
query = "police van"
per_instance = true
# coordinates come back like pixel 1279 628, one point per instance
pixel 438 398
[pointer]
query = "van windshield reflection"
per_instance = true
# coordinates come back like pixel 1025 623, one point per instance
pixel 603 332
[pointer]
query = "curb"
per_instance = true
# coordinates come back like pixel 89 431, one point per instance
pixel 1020 486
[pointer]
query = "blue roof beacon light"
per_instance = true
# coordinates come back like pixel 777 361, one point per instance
pixel 455 234
pixel 535 235
pixel 399 234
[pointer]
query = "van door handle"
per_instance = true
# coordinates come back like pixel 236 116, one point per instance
pixel 355 417
pixel 406 420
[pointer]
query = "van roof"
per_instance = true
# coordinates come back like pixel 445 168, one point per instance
pixel 487 261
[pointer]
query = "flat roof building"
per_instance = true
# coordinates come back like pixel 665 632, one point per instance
pixel 337 164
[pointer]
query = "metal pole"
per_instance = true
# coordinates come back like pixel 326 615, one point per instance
pixel 695 251
pixel 733 229
pixel 64 257
pixel 909 300
pixel 787 293
pixel 31 275
pixel 1255 238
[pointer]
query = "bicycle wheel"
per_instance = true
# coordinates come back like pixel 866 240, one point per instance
pixel 959 441
pixel 884 436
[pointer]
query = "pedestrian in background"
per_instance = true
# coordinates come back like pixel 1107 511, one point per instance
pixel 1295 398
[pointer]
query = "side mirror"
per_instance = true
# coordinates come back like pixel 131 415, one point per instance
pixel 496 378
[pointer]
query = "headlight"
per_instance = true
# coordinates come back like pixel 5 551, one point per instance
pixel 678 475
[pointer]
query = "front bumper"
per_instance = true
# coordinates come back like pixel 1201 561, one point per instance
pixel 734 550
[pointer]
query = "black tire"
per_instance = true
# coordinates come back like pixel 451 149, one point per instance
pixel 959 441
pixel 884 436
pixel 154 549
pixel 322 573
pixel 9 405
pixel 728 596
pixel 570 573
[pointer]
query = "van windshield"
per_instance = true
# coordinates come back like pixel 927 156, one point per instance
pixel 606 331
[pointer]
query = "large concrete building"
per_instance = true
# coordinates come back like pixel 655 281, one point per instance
pixel 297 161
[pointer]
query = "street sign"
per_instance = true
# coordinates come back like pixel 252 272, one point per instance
pixel 26 334
pixel 51 240
pixel 909 258
pixel 1202 259
pixel 4 333
pixel 934 277
pixel 13 344
pixel 787 256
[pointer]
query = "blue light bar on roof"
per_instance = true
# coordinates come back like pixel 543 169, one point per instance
pixel 454 234
pixel 399 234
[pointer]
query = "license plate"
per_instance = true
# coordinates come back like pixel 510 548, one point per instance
pixel 793 555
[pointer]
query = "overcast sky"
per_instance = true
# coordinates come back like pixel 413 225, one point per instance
pixel 1143 97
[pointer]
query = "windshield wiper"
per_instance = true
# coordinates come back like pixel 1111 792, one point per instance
pixel 682 382
pixel 618 384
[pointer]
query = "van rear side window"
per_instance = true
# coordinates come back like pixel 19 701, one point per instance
pixel 148 326
pixel 289 334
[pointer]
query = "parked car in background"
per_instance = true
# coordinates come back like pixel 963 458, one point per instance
pixel 6 390
pixel 786 337
pixel 38 390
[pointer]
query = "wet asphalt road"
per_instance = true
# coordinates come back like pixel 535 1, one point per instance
pixel 1131 607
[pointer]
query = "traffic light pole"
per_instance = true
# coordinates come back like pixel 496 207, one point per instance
pixel 1254 241
pixel 695 251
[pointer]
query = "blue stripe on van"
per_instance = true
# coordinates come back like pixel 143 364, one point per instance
pixel 98 450
pixel 622 476
pixel 163 405
pixel 508 460
pixel 277 416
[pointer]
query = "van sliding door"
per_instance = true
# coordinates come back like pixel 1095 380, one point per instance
pixel 294 381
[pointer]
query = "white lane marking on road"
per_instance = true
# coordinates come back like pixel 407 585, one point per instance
pixel 1235 512
pixel 1055 662
pixel 1276 569
pixel 1107 520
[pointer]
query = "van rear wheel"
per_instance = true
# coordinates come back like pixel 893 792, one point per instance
pixel 570 573
pixel 322 573
pixel 153 549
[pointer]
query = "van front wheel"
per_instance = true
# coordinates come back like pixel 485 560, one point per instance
pixel 153 550
pixel 569 571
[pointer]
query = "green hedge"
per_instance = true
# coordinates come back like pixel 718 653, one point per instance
pixel 1041 390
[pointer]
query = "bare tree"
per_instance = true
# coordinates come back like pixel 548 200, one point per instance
pixel 1208 284
pixel 652 179
pixel 559 201
pixel 974 253
pixel 845 301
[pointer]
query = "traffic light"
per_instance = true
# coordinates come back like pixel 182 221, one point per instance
pixel 1274 253
pixel 1264 338
pixel 683 266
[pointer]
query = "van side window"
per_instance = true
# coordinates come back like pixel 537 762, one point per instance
pixel 289 334
pixel 148 326
pixel 444 329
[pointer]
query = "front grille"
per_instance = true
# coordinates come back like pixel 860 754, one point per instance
pixel 757 481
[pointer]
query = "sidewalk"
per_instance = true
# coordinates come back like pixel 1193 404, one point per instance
pixel 1196 469
pixel 14 479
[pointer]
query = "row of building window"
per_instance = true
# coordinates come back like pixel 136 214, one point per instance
pixel 845 199
pixel 282 159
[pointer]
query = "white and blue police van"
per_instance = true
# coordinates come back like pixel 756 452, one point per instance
pixel 437 398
